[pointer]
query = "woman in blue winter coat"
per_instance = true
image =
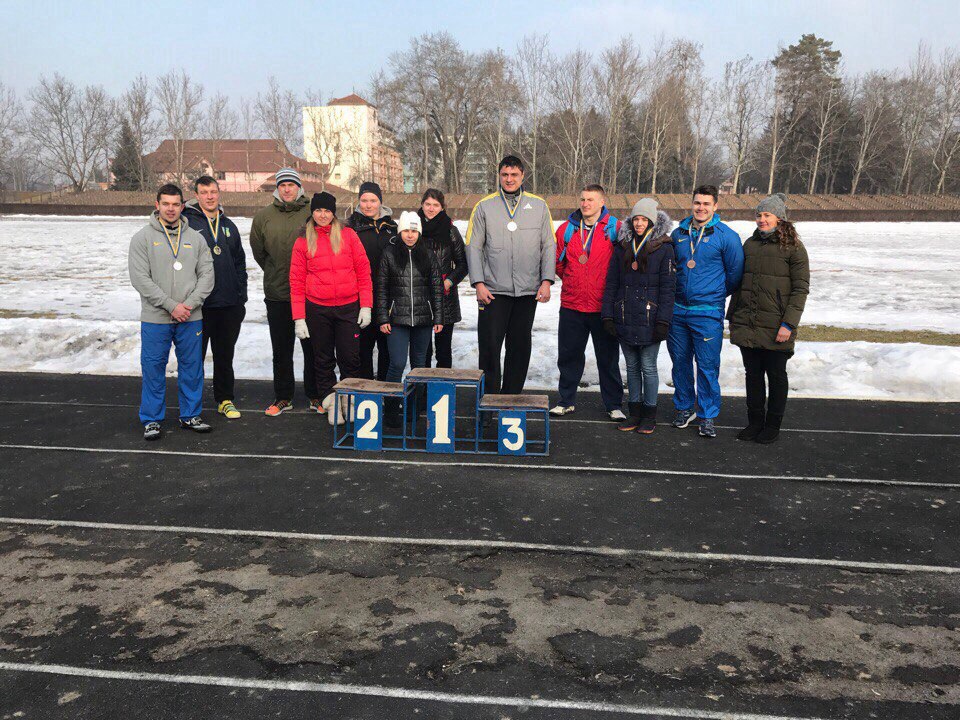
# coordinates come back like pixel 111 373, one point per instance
pixel 638 305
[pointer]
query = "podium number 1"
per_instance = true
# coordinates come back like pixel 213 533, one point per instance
pixel 441 420
pixel 441 402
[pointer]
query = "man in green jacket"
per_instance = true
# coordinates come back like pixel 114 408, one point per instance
pixel 272 235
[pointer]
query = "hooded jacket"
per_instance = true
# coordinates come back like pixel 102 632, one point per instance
pixel 161 286
pixel 511 263
pixel 229 264
pixel 583 284
pixel 272 235
pixel 718 270
pixel 638 299
pixel 327 279
pixel 375 234
pixel 405 294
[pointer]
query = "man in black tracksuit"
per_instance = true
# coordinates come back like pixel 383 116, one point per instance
pixel 223 310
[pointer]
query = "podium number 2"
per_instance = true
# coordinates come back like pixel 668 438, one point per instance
pixel 367 414
pixel 513 426
pixel 441 420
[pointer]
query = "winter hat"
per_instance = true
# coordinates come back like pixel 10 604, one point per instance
pixel 323 201
pixel 370 187
pixel 776 204
pixel 289 175
pixel 409 221
pixel 647 207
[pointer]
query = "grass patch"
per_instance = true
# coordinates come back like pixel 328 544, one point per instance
pixel 829 333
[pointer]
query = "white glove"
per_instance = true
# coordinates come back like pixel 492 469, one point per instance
pixel 300 328
pixel 365 317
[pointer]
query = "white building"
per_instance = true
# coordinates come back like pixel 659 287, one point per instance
pixel 347 136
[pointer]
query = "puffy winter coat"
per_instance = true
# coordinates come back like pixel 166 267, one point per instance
pixel 272 234
pixel 328 279
pixel 639 299
pixel 229 260
pixel 447 244
pixel 405 294
pixel 719 265
pixel 375 234
pixel 774 290
pixel 583 284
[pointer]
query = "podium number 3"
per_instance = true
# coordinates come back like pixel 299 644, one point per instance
pixel 367 414
pixel 441 418
pixel 512 426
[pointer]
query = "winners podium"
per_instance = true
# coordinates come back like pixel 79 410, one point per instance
pixel 493 424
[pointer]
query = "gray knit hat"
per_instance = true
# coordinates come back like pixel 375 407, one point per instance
pixel 647 207
pixel 776 204
pixel 288 175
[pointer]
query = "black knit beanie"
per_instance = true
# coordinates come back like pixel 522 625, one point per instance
pixel 371 187
pixel 323 201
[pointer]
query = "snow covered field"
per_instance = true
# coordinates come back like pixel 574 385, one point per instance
pixel 66 305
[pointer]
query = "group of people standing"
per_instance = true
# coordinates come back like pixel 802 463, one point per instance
pixel 373 283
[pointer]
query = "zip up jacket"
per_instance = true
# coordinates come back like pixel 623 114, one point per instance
pixel 718 270
pixel 229 265
pixel 583 285
pixel 272 235
pixel 161 286
pixel 511 263
pixel 328 279
pixel 774 291
pixel 375 234
pixel 405 296
pixel 638 299
pixel 452 257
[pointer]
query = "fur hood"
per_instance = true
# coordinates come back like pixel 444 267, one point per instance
pixel 661 229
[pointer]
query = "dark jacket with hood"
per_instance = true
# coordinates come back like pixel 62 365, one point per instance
pixel 443 238
pixel 375 234
pixel 408 289
pixel 229 264
pixel 638 299
pixel 773 292
pixel 272 235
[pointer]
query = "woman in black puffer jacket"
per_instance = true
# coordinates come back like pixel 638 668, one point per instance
pixel 443 238
pixel 408 297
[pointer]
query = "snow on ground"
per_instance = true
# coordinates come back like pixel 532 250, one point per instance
pixel 66 306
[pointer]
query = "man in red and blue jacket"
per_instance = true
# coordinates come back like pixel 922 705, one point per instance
pixel 585 244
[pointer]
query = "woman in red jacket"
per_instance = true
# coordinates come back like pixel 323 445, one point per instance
pixel 331 295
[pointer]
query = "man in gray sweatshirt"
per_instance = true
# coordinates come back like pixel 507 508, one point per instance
pixel 511 254
pixel 171 267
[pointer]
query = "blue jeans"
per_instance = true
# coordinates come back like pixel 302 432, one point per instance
pixel 404 340
pixel 642 378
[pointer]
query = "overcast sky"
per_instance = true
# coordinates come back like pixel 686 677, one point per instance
pixel 232 47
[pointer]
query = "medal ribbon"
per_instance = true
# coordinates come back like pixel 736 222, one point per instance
pixel 174 250
pixel 506 205
pixel 693 247
pixel 214 227
pixel 643 241
pixel 587 243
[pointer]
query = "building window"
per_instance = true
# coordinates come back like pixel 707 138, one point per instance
pixel 221 175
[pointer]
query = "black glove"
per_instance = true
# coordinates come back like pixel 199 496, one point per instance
pixel 660 331
pixel 610 327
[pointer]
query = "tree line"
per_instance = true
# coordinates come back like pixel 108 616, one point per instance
pixel 637 117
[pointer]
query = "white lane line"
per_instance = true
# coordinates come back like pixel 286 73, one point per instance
pixel 345 458
pixel 564 421
pixel 303 686
pixel 487 545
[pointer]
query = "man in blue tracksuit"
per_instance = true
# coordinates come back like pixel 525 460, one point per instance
pixel 709 268
pixel 172 268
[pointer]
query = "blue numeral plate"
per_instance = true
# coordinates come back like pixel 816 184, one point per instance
pixel 368 422
pixel 441 416
pixel 512 432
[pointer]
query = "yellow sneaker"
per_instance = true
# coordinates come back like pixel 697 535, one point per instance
pixel 229 409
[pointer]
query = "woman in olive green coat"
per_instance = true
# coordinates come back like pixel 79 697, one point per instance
pixel 765 312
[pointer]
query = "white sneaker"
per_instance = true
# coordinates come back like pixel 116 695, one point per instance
pixel 616 415
pixel 561 410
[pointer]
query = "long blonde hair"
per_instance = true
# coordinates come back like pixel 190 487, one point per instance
pixel 310 233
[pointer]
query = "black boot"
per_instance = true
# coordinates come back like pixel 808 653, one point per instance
pixel 392 413
pixel 771 429
pixel 633 421
pixel 754 425
pixel 648 421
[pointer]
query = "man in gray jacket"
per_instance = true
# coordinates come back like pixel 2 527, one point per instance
pixel 511 256
pixel 172 269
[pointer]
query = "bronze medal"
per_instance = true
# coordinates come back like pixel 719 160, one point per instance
pixel 216 250
pixel 691 264
pixel 634 265
pixel 583 259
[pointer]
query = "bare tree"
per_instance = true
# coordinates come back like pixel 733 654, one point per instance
pixel 826 124
pixel 221 124
pixel 533 61
pixel 875 113
pixel 330 137
pixel 947 108
pixel 10 118
pixel 619 75
pixel 915 112
pixel 572 99
pixel 181 112
pixel 741 120
pixel 248 128
pixel 138 108
pixel 72 127
pixel 280 113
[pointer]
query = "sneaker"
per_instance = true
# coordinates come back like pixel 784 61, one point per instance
pixel 278 407
pixel 228 409
pixel 684 418
pixel 707 429
pixel 196 424
pixel 561 410
pixel 616 415
pixel 151 431
pixel 316 405
pixel 648 419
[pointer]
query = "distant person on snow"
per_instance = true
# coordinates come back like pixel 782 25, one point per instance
pixel 171 267
pixel 765 312
pixel 709 268
pixel 224 309
pixel 585 243
pixel 638 305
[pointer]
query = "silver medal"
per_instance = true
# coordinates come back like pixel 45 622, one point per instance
pixel 178 265
pixel 512 226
